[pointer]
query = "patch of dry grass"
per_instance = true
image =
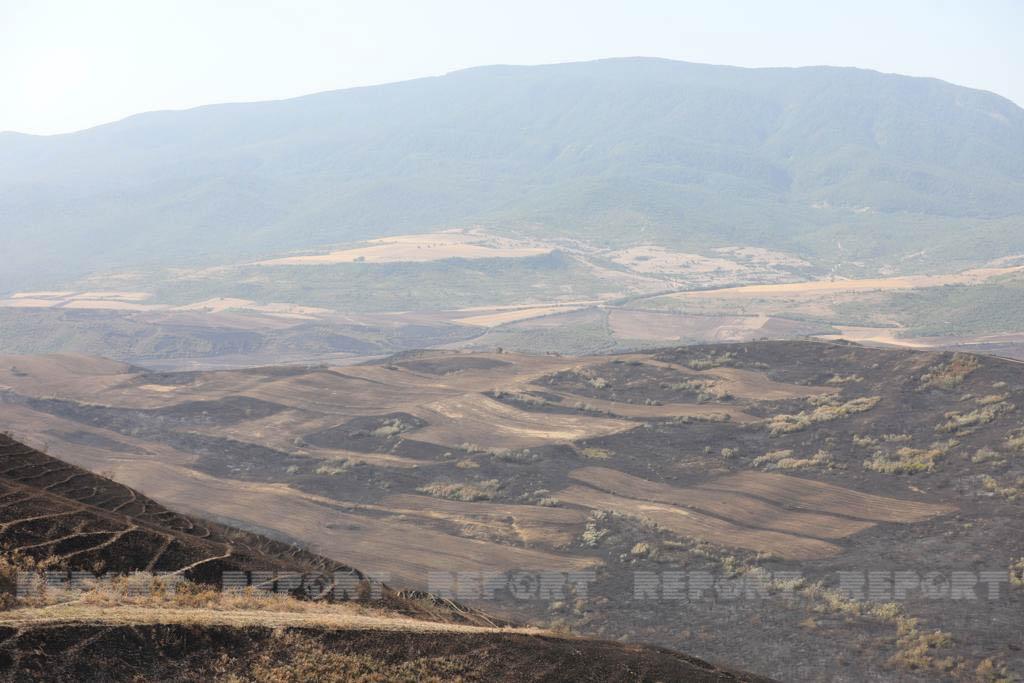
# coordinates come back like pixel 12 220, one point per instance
pixel 916 650
pixel 334 469
pixel 784 460
pixel 711 360
pixel 785 424
pixel 965 423
pixel 1017 573
pixel 952 374
pixel 840 379
pixel 1015 441
pixel 909 460
pixel 986 454
pixel 466 492
pixel 293 658
pixel 1009 491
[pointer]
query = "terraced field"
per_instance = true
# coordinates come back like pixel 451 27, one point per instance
pixel 736 460
pixel 63 519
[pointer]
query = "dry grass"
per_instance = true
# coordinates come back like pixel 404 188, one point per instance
pixel 420 248
pixel 11 565
pixel 840 379
pixel 1009 491
pixel 916 650
pixel 965 423
pixel 150 591
pixel 293 658
pixel 784 460
pixel 908 460
pixel 986 454
pixel 483 490
pixel 1017 573
pixel 988 671
pixel 1015 441
pixel 785 424
pixel 333 469
pixel 526 313
pixel 952 374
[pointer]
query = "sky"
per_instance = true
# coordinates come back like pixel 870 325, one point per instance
pixel 66 65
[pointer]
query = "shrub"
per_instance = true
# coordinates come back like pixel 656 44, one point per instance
pixel 1017 573
pixel 990 672
pixel 331 470
pixel 640 550
pixel 391 428
pixel 908 460
pixel 897 438
pixel 784 460
pixel 508 455
pixel 784 424
pixel 839 379
pixel 484 490
pixel 986 454
pixel 914 648
pixel 952 374
pixel 1010 492
pixel 965 423
pixel 1015 441
pixel 711 360
pixel 592 534
pixel 696 385
pixel 520 397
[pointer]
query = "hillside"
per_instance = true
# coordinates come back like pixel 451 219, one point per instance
pixel 62 518
pixel 850 169
pixel 772 468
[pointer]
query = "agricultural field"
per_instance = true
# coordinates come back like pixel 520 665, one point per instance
pixel 477 290
pixel 747 461
pixel 146 581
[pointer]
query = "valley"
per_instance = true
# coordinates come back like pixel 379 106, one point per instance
pixel 450 291
pixel 743 460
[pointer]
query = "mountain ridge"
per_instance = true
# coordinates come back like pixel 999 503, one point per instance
pixel 612 151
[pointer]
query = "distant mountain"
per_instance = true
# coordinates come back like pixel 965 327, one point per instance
pixel 838 165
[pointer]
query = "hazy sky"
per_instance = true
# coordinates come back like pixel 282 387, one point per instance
pixel 71 64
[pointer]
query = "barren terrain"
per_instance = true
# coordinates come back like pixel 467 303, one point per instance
pixel 733 459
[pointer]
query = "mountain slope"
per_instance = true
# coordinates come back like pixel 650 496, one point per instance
pixel 615 151
pixel 76 520
pixel 743 461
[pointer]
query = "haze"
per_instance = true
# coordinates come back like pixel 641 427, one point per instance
pixel 71 65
